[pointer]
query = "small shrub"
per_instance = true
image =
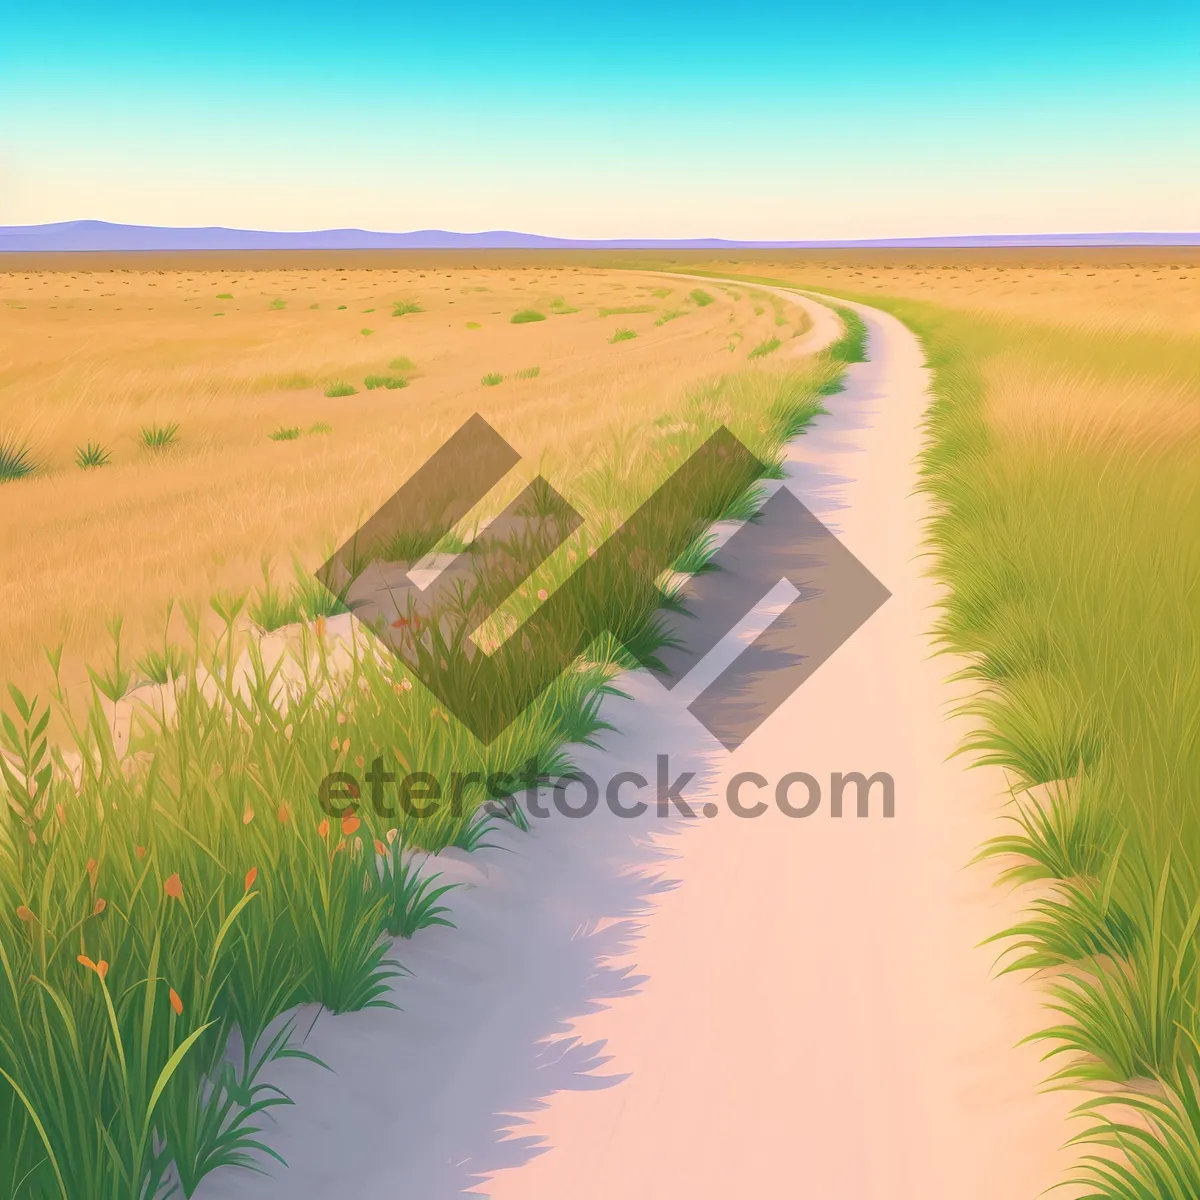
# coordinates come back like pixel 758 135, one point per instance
pixel 277 304
pixel 402 364
pixel 341 308
pixel 529 373
pixel 765 348
pixel 669 315
pixel 385 381
pixel 474 325
pixel 285 433
pixel 340 388
pixel 402 308
pixel 160 437
pixel 622 335
pixel 320 427
pixel 525 316
pixel 662 293
pixel 224 295
pixel 701 297
pixel 91 455
pixel 491 380
pixel 16 461
pixel 560 308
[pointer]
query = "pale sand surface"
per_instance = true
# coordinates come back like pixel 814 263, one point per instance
pixel 725 1007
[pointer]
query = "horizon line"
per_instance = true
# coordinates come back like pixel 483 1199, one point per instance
pixel 90 235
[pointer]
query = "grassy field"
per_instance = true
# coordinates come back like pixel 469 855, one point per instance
pixel 170 891
pixel 1065 458
pixel 296 401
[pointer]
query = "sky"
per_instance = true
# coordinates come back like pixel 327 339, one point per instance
pixel 773 121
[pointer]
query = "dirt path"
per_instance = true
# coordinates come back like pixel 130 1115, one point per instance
pixel 723 1008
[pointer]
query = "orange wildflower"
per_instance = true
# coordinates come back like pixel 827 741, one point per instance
pixel 140 851
pixel 284 814
pixel 251 876
pixel 176 1003
pixel 174 887
pixel 323 829
pixel 24 913
pixel 349 825
pixel 247 816
pixel 101 967
pixel 100 905
pixel 92 867
pixel 380 848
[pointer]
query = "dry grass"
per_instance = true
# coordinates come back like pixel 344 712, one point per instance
pixel 95 354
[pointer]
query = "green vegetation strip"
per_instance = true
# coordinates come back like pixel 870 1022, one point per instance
pixel 1074 560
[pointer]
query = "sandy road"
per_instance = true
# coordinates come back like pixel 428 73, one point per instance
pixel 727 1007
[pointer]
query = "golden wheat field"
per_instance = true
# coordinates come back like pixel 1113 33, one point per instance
pixel 106 353
pixel 1085 343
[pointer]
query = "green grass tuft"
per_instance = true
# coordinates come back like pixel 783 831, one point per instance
pixel 160 437
pixel 627 310
pixel 16 460
pixel 92 455
pixel 340 388
pixel 402 364
pixel 528 373
pixel 401 308
pixel 278 304
pixel 285 433
pixel 492 379
pixel 525 316
pixel 391 382
pixel 700 297
pixel 320 427
pixel 623 335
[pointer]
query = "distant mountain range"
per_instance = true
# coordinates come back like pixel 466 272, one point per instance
pixel 101 235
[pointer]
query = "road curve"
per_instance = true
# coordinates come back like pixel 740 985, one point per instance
pixel 725 1008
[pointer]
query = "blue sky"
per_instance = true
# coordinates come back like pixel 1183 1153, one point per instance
pixel 618 120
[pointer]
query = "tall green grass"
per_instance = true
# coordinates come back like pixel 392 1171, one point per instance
pixel 165 901
pixel 1073 553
